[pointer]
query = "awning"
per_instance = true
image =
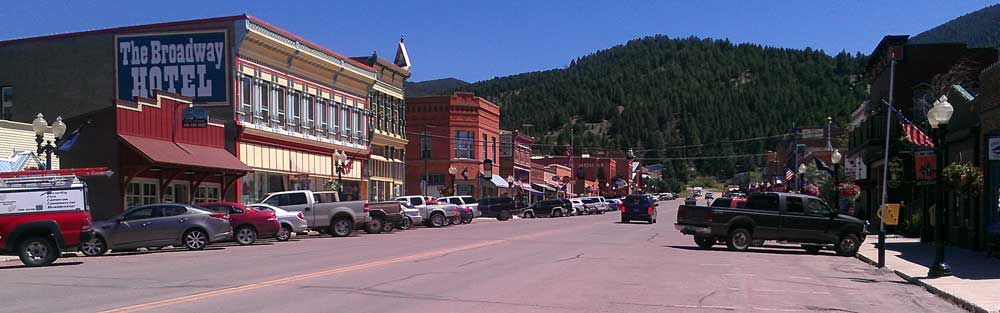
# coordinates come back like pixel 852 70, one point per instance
pixel 378 158
pixel 499 182
pixel 545 187
pixel 182 154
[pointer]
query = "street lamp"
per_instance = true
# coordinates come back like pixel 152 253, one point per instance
pixel 339 162
pixel 938 117
pixel 802 176
pixel 39 125
pixel 835 158
pixel 451 172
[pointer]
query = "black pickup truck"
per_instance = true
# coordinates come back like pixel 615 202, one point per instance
pixel 773 216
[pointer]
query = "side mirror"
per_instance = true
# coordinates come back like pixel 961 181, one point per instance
pixel 656 204
pixel 833 214
pixel 120 219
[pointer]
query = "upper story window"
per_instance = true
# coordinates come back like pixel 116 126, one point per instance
pixel 246 97
pixel 321 115
pixel 6 102
pixel 425 146
pixel 265 101
pixel 279 105
pixel 294 109
pixel 494 148
pixel 336 119
pixel 486 149
pixel 307 112
pixel 463 144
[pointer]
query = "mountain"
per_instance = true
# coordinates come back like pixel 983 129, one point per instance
pixel 979 29
pixel 433 87
pixel 660 93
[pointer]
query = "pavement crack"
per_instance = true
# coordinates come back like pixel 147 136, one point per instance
pixel 474 262
pixel 569 259
pixel 702 300
pixel 650 239
pixel 405 278
pixel 825 309
pixel 431 258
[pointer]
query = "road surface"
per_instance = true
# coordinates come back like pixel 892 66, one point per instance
pixel 571 264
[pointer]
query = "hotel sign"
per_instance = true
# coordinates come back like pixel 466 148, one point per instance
pixel 190 64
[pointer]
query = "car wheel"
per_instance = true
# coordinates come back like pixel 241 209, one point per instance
pixel 284 233
pixel 739 239
pixel 438 220
pixel 813 249
pixel 94 247
pixel 195 239
pixel 341 227
pixel 38 251
pixel 556 213
pixel 457 220
pixel 406 223
pixel 467 220
pixel 503 216
pixel 246 235
pixel 704 242
pixel 387 227
pixel 847 245
pixel 624 220
pixel 375 226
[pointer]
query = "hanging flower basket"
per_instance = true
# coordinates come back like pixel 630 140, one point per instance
pixel 963 178
pixel 811 190
pixel 849 191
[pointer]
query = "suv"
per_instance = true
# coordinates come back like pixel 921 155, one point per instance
pixel 37 224
pixel 433 213
pixel 550 208
pixel 502 208
pixel 462 201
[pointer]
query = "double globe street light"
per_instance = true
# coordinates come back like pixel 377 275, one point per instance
pixel 835 158
pixel 938 117
pixel 339 162
pixel 39 125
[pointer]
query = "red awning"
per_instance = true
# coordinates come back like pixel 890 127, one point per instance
pixel 182 154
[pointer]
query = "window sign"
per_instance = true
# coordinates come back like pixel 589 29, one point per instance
pixel 190 64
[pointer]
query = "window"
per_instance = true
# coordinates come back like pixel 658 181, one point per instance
pixel 327 197
pixel 265 102
pixel 494 148
pixel 7 101
pixel 246 95
pixel 425 146
pixel 817 207
pixel 463 145
pixel 206 194
pixel 294 111
pixel 173 210
pixel 139 214
pixel 722 202
pixel 308 114
pixel 464 190
pixel 279 105
pixel 435 179
pixel 793 205
pixel 320 116
pixel 416 201
pixel 335 119
pixel 347 123
pixel 764 202
pixel 469 200
pixel 141 193
pixel 455 201
pixel 485 148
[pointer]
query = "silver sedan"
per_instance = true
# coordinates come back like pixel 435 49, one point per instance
pixel 292 223
pixel 159 225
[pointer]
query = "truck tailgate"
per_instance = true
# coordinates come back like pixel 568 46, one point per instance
pixel 694 215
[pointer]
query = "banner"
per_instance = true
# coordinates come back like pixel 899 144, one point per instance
pixel 925 166
pixel 190 64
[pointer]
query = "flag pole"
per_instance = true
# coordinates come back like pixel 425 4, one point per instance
pixel 885 165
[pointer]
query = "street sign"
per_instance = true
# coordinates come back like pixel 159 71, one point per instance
pixel 892 214
pixel 194 118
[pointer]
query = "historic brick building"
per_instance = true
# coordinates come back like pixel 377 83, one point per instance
pixel 459 130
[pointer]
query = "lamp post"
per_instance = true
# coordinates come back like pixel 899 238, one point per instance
pixel 339 162
pixel 802 176
pixel 451 172
pixel 835 158
pixel 938 117
pixel 39 125
pixel 510 185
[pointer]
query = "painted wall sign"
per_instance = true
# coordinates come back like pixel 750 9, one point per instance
pixel 191 64
pixel 194 118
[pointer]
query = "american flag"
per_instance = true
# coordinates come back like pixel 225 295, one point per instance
pixel 789 174
pixel 913 133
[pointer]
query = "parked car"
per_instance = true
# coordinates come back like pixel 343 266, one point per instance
pixel 467 201
pixel 639 207
pixel 709 196
pixel 411 216
pixel 614 204
pixel 383 216
pixel 159 225
pixel 292 223
pixel 501 208
pixel 590 206
pixel 550 208
pixel 323 210
pixel 36 231
pixel 773 216
pixel 434 214
pixel 578 208
pixel 248 223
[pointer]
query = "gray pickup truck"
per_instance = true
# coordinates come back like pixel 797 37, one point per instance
pixel 434 214
pixel 325 212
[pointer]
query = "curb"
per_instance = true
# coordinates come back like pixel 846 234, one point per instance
pixel 962 303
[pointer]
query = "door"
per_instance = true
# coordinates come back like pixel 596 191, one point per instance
pixel 822 220
pixel 767 219
pixel 168 228
pixel 799 225
pixel 134 229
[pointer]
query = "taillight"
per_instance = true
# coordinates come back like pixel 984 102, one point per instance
pixel 367 208
pixel 301 217
pixel 710 216
pixel 219 216
pixel 621 206
pixel 86 222
pixel 649 211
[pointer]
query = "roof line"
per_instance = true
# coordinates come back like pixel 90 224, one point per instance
pixel 307 42
pixel 126 28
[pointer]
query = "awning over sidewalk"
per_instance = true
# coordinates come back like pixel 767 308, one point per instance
pixel 182 154
pixel 544 187
pixel 499 182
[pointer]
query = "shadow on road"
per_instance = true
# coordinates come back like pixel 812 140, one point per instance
pixel 41 267
pixel 765 249
pixel 112 253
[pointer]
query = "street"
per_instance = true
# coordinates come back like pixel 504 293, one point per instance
pixel 570 264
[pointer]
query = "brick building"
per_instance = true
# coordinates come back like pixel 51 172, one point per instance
pixel 459 130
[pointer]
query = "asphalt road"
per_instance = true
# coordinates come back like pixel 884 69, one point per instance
pixel 572 264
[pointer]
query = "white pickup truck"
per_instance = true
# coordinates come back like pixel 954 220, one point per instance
pixel 325 212
pixel 434 214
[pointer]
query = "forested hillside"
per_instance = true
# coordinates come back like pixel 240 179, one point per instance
pixel 979 29
pixel 658 92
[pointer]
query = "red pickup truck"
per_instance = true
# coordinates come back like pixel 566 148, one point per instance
pixel 42 216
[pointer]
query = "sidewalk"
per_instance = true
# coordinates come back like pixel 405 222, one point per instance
pixel 975 284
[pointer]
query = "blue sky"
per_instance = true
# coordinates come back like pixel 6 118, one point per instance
pixel 476 40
